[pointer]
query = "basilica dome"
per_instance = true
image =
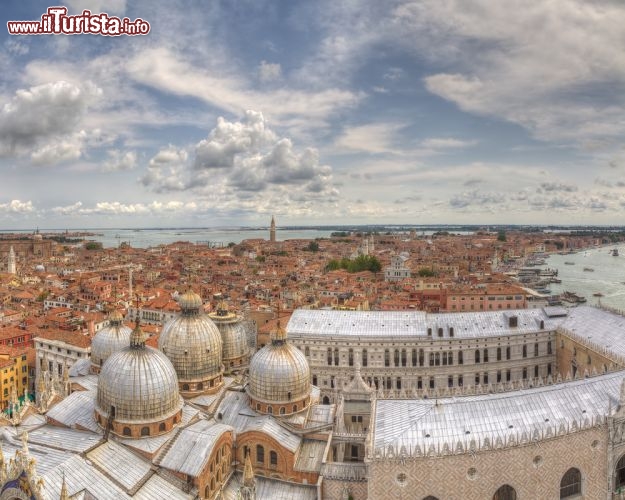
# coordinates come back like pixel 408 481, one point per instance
pixel 235 351
pixel 110 339
pixel 193 344
pixel 279 378
pixel 138 391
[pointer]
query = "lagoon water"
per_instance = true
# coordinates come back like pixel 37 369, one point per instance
pixel 607 277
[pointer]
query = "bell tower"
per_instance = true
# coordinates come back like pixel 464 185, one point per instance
pixel 272 230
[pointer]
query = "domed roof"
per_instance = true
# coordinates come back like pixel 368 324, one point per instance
pixel 192 341
pixel 279 373
pixel 190 300
pixel 233 332
pixel 139 382
pixel 110 339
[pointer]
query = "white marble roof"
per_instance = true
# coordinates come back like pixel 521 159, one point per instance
pixel 605 331
pixel 452 425
pixel 192 447
pixel 268 489
pixel 330 323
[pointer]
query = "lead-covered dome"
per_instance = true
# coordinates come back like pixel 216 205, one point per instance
pixel 138 391
pixel 110 339
pixel 193 344
pixel 279 378
pixel 235 352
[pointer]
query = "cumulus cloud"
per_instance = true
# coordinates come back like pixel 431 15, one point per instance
pixel 17 207
pixel 269 72
pixel 229 139
pixel 44 113
pixel 120 160
pixel 166 170
pixel 238 159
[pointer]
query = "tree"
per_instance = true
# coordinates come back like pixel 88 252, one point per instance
pixel 313 246
pixel 501 236
pixel 424 272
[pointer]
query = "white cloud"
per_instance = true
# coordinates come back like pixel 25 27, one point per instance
pixel 46 112
pixel 446 143
pixel 242 160
pixel 169 72
pixel 536 72
pixel 371 138
pixel 17 207
pixel 120 160
pixel 269 72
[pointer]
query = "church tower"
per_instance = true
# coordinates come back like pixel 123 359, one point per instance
pixel 12 264
pixel 272 230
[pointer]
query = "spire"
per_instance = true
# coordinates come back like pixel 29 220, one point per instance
pixel 137 337
pixel 272 230
pixel 248 489
pixel 64 493
pixel 12 264
pixel 248 472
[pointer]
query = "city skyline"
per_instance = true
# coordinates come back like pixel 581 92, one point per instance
pixel 423 112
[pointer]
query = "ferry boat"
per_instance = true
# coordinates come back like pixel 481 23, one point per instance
pixel 569 263
pixel 590 269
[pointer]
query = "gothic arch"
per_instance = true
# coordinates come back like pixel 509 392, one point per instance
pixel 571 483
pixel 505 492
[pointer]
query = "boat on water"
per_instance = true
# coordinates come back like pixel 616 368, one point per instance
pixel 573 298
pixel 615 252
pixel 589 269
pixel 569 263
pixel 597 294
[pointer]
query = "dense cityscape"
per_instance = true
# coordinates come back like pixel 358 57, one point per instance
pixel 326 337
pixel 329 250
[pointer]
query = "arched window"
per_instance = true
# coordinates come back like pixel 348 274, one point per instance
pixel 200 386
pixel 162 427
pixel 506 492
pixel 387 358
pixel 207 491
pixel 270 410
pixel 307 351
pixel 499 354
pixel 145 431
pixel 326 400
pixel 536 349
pixel 126 431
pixel 350 357
pixel 620 474
pixel 260 454
pixel 364 357
pixel 477 355
pixel 185 387
pixel 273 458
pixel 282 410
pixel 525 351
pixel 571 483
pixel 485 355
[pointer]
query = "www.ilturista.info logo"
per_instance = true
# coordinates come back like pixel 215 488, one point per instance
pixel 57 22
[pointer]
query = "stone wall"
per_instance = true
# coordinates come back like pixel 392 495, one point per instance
pixel 534 471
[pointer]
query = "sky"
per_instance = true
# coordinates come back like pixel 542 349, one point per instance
pixel 323 112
